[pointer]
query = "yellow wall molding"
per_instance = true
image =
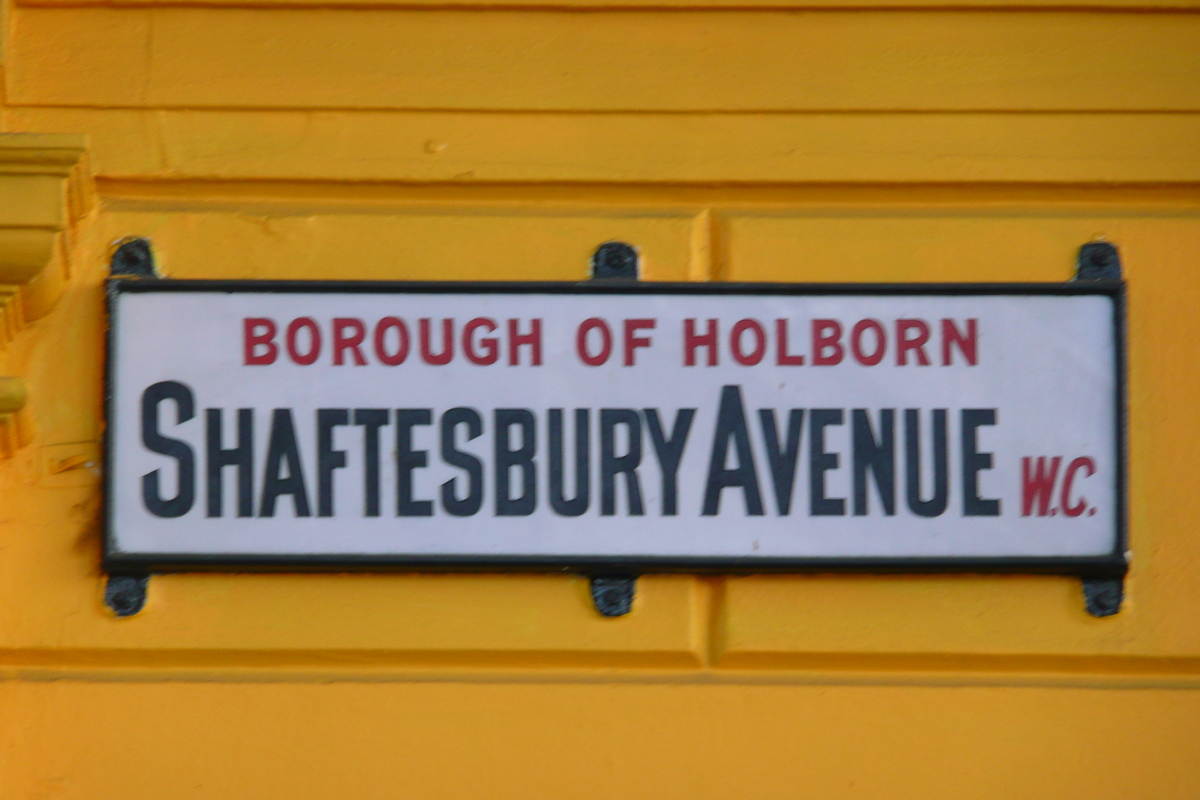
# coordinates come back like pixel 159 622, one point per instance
pixel 529 151
pixel 45 192
pixel 713 64
pixel 1141 5
pixel 16 426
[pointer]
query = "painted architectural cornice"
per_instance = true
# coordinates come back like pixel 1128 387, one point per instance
pixel 45 193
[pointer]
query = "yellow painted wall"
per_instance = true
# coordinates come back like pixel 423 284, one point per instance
pixel 899 140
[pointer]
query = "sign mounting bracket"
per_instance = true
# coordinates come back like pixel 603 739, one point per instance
pixel 612 595
pixel 1100 260
pixel 125 594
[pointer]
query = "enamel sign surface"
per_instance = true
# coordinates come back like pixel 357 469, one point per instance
pixel 646 426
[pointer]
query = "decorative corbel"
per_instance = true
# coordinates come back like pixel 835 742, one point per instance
pixel 45 193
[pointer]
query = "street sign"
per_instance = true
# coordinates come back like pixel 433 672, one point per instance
pixel 641 426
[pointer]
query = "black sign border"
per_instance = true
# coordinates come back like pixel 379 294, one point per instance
pixel 1112 565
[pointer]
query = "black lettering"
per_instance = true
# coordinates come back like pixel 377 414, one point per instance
pixel 782 460
pixel 408 459
pixel 820 462
pixel 731 424
pixel 522 459
pixel 241 457
pixel 328 459
pixel 155 442
pixel 282 449
pixel 669 452
pixel 577 505
pixel 612 465
pixel 470 504
pixel 973 461
pixel 372 419
pixel 935 506
pixel 877 456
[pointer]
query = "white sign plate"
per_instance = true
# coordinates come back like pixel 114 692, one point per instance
pixel 645 426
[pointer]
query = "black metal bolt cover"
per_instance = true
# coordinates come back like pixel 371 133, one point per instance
pixel 615 260
pixel 1098 261
pixel 613 597
pixel 1103 596
pixel 133 257
pixel 126 594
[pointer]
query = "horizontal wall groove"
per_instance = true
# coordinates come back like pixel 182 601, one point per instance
pixel 781 149
pixel 300 196
pixel 1084 672
pixel 637 6
pixel 666 113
